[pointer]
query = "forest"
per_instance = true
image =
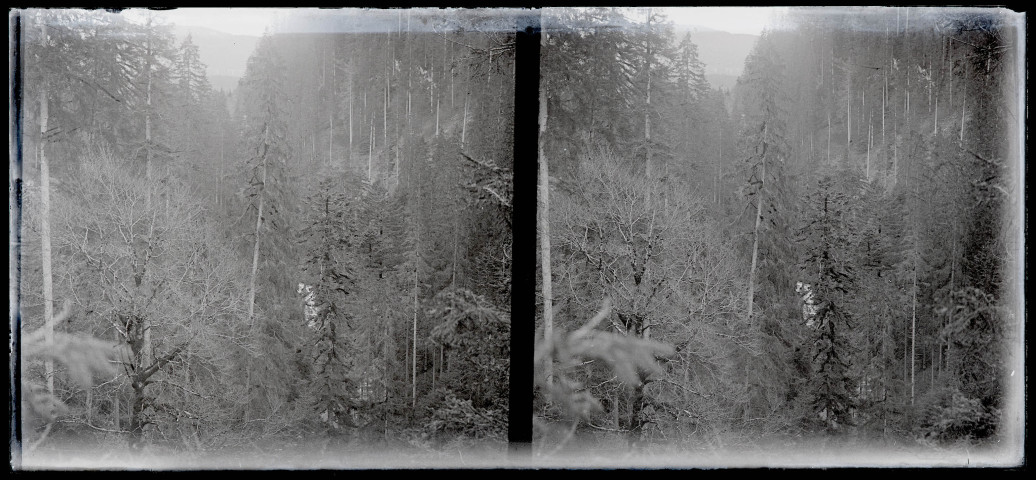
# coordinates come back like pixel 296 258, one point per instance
pixel 823 257
pixel 819 266
pixel 318 260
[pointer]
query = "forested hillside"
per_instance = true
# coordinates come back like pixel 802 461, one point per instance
pixel 832 261
pixel 325 265
pixel 819 266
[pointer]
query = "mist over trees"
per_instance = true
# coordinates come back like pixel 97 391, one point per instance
pixel 319 258
pixel 314 270
pixel 827 249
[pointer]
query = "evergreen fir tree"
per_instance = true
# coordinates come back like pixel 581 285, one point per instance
pixel 328 245
pixel 827 244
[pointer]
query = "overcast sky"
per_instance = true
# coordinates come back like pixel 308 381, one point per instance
pixel 237 21
pixel 750 20
pixel 254 21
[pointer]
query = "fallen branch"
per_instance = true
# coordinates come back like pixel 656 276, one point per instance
pixel 482 163
pixel 95 427
pixel 605 429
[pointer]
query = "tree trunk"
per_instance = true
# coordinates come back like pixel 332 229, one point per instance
pixel 89 405
pixel 935 121
pixel 913 330
pixel 636 424
pixel 864 117
pixel 370 153
pixel 755 242
pixel 870 138
pixel 255 250
pixel 453 98
pixel 895 143
pixel 136 426
pixel 963 112
pixel 870 132
pixel 222 165
pixel 147 111
pixel 413 357
pixel 115 410
pixel 45 251
pixel 417 264
pixel 716 168
pixel 333 106
pixel 829 137
pixel 350 95
pixel 464 121
pixel 384 113
pixel 544 221
pixel 886 373
pixel 848 112
pixel 410 73
pixel 884 146
pixel 139 380
pixel 134 338
pixel 186 373
pixel 648 168
pixel 651 200
pixel 148 155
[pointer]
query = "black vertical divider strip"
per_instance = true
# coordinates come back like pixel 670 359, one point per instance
pixel 15 234
pixel 523 246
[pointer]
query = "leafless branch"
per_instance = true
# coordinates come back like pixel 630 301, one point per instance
pixel 499 198
pixel 43 437
pixel 681 387
pixel 181 387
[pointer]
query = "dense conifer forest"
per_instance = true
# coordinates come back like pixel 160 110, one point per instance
pixel 822 259
pixel 319 259
pixel 821 265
